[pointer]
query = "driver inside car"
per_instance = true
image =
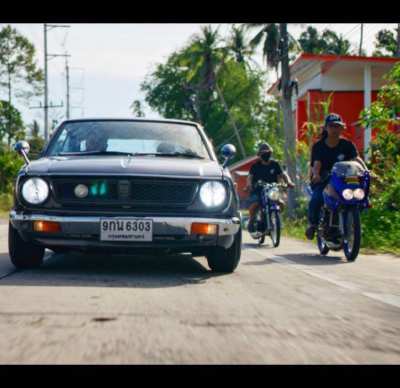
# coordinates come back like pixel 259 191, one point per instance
pixel 96 141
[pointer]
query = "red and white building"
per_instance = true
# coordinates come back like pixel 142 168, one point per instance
pixel 351 81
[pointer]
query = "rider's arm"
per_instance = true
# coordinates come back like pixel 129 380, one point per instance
pixel 286 178
pixel 359 160
pixel 249 182
pixel 316 169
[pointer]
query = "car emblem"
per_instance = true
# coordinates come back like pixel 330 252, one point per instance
pixel 81 191
pixel 125 162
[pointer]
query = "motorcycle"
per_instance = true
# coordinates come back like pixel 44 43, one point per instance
pixel 267 221
pixel 345 197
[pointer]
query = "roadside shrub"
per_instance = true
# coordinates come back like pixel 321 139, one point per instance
pixel 10 163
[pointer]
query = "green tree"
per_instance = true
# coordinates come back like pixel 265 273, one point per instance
pixel 276 43
pixel 36 141
pixel 17 65
pixel 328 42
pixel 336 43
pixel 239 46
pixel 11 124
pixel 137 109
pixel 204 82
pixel 385 44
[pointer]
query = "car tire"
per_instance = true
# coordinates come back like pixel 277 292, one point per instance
pixel 226 260
pixel 23 254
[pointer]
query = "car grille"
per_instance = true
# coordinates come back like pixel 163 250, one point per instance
pixel 133 192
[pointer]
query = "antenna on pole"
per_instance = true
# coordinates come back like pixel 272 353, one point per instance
pixel 46 28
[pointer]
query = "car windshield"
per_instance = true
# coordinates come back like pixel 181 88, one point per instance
pixel 128 137
pixel 345 169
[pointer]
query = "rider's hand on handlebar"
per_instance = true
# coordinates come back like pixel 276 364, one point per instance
pixel 316 178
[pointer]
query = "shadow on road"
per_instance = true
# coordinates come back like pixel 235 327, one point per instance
pixel 312 259
pixel 89 270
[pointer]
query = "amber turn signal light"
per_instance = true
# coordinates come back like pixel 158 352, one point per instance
pixel 46 226
pixel 200 228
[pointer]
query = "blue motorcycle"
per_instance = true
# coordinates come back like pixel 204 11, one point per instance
pixel 345 196
pixel 267 219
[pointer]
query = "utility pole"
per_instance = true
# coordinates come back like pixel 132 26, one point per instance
pixel 81 89
pixel 46 28
pixel 67 79
pixel 288 123
pixel 361 39
pixel 398 41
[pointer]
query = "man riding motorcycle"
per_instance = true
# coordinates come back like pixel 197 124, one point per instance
pixel 267 170
pixel 331 148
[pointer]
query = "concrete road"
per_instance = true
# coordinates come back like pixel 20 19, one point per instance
pixel 282 305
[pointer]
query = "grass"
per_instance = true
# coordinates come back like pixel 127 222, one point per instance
pixel 5 204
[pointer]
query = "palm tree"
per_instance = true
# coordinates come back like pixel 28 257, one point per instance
pixel 204 58
pixel 276 46
pixel 239 46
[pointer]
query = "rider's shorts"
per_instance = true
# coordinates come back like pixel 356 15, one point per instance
pixel 253 198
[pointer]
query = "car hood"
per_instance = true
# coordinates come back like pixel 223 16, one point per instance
pixel 139 166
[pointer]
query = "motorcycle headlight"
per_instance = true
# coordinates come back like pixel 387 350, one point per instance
pixel 347 194
pixel 273 194
pixel 212 194
pixel 359 194
pixel 35 191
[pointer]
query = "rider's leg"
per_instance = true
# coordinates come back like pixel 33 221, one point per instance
pixel 252 213
pixel 314 209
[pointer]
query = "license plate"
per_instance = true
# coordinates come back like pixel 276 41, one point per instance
pixel 126 229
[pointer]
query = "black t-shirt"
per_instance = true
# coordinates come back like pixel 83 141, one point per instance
pixel 265 172
pixel 328 156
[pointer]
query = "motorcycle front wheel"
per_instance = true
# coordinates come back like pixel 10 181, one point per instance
pixel 275 228
pixel 352 229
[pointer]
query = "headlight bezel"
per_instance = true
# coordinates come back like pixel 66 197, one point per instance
pixel 44 197
pixel 212 204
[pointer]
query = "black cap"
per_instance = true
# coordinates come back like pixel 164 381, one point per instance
pixel 334 118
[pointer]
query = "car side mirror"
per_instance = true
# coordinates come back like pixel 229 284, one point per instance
pixel 228 151
pixel 23 148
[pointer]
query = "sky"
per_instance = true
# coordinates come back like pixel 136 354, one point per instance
pixel 109 61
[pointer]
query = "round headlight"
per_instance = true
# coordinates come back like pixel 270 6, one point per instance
pixel 81 191
pixel 273 194
pixel 347 194
pixel 359 194
pixel 35 191
pixel 213 194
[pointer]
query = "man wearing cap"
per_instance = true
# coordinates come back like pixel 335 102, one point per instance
pixel 267 170
pixel 331 148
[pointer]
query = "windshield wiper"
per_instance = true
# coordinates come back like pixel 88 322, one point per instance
pixel 94 153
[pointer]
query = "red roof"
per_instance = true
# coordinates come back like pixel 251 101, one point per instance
pixel 334 58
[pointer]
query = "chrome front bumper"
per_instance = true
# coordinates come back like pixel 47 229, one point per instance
pixel 161 225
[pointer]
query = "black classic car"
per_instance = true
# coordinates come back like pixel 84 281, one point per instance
pixel 126 186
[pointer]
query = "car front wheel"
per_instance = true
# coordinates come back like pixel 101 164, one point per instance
pixel 226 260
pixel 23 254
